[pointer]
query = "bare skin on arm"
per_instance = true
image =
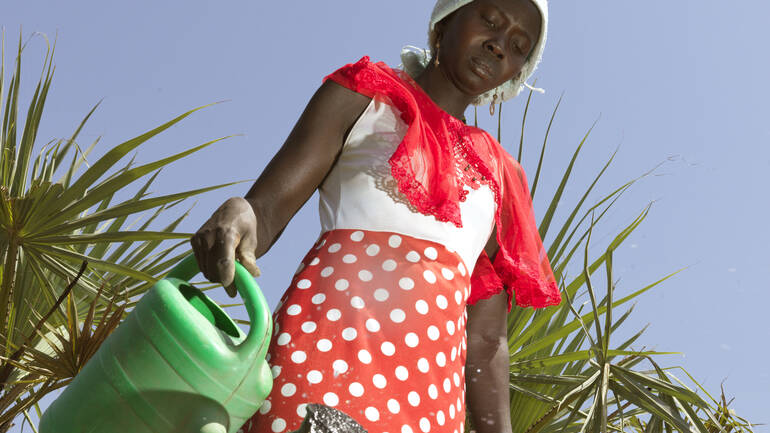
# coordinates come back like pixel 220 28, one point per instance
pixel 245 228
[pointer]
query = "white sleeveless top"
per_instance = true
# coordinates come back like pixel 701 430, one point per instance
pixel 360 193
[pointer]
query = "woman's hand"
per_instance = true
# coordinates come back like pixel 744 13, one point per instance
pixel 230 233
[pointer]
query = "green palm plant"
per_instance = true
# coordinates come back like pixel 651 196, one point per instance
pixel 58 212
pixel 565 376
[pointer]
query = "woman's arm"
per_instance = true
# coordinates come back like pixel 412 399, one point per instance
pixel 246 228
pixel 487 361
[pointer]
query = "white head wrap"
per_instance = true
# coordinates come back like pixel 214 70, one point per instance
pixel 416 59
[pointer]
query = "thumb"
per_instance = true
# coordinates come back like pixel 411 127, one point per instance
pixel 249 261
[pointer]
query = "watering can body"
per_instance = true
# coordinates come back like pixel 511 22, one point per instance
pixel 177 364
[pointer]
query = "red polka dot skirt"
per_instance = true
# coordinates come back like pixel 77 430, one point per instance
pixel 373 324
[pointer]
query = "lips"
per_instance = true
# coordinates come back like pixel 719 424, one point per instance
pixel 481 68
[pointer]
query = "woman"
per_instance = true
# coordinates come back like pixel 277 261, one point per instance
pixel 421 216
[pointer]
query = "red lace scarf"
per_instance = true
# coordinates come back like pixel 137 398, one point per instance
pixel 435 144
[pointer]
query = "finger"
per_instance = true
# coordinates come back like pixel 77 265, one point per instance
pixel 198 251
pixel 231 290
pixel 222 260
pixel 206 240
pixel 248 260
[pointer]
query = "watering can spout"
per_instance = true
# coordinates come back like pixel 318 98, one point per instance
pixel 177 363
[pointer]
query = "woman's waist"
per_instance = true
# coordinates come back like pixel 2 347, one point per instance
pixel 396 245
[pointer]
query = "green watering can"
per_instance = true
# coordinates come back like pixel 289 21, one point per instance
pixel 177 363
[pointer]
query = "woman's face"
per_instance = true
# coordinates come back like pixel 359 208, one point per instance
pixel 487 42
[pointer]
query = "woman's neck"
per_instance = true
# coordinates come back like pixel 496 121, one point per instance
pixel 440 89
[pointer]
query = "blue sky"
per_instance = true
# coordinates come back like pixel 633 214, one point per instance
pixel 679 83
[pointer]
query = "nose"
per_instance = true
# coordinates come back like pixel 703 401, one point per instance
pixel 494 47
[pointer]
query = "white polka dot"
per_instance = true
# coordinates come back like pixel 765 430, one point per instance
pixel 440 418
pixel 357 302
pixel 457 404
pixel 423 365
pixel 452 411
pixel 315 261
pixel 318 298
pixel 406 429
pixel 450 327
pixel 288 389
pixel 276 370
pixel 461 268
pixel 447 385
pixel 309 327
pixel 433 332
pixel 357 236
pixel 413 256
pixel 339 366
pixel 349 334
pixel 265 407
pixel 324 345
pixel 389 265
pixel 456 378
pixel 424 425
pixel 411 339
pixel 433 391
pixel 393 406
pixel 413 398
pixel 364 356
pixel 278 425
pixel 333 314
pixel 458 297
pixel 283 339
pixel 372 414
pixel 356 389
pixel 314 376
pixel 429 276
pixel 454 354
pixel 446 273
pixel 421 307
pixel 293 310
pixel 394 241
pixel 349 258
pixel 365 275
pixel 397 315
pixel 440 359
pixel 303 284
pixel 402 373
pixel 331 399
pixel 302 410
pixel 406 283
pixel 441 302
pixel 341 284
pixel 333 248
pixel 379 381
pixel 372 325
pixel 431 253
pixel 373 250
pixel 387 348
pixel 298 357
pixel 325 272
pixel 381 295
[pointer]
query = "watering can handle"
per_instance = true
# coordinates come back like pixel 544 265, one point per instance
pixel 258 338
